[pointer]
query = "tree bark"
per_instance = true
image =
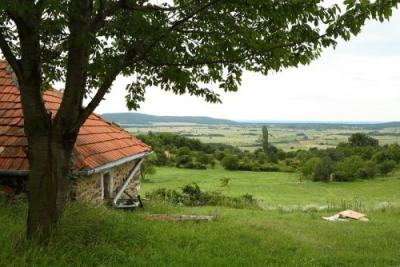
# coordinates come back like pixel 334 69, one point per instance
pixel 50 169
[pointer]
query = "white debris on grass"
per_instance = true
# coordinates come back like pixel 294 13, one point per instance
pixel 347 215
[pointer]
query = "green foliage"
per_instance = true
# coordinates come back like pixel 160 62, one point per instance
pixel 349 169
pixel 386 166
pixel 368 170
pixel 362 139
pixel 180 151
pixel 230 163
pixel 265 137
pixel 361 158
pixel 224 182
pixel 318 169
pixel 148 167
pixel 192 195
pixel 181 46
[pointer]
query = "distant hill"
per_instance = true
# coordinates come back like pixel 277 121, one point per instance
pixel 134 118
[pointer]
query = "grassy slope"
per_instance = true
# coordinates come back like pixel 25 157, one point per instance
pixel 91 236
pixel 101 237
pixel 282 189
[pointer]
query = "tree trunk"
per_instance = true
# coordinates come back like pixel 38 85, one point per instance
pixel 50 168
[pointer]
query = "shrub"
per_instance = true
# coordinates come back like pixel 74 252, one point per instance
pixel 192 195
pixel 224 182
pixel 183 160
pixel 386 166
pixel 349 168
pixel 307 170
pixel 230 163
pixel 318 169
pixel 323 170
pixel 368 171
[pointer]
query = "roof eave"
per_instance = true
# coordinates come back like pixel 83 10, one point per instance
pixel 89 172
pixel 112 164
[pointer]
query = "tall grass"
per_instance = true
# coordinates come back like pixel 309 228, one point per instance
pixel 98 236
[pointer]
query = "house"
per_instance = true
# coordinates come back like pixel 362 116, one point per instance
pixel 106 159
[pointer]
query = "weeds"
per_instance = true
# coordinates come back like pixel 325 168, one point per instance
pixel 192 195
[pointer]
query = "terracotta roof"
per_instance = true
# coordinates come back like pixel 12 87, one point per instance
pixel 99 141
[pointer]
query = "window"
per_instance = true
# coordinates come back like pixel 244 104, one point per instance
pixel 107 185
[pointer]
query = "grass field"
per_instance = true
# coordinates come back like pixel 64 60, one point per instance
pixel 284 190
pixel 248 137
pixel 99 236
pixel 102 237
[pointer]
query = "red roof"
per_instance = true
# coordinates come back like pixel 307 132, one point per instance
pixel 99 141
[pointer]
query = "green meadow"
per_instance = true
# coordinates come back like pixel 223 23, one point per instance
pixel 278 190
pixel 286 231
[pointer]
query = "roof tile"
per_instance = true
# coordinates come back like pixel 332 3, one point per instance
pixel 99 141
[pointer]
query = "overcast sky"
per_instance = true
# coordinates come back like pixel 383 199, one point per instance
pixel 359 81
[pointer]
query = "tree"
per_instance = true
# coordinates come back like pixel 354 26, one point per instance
pixel 180 46
pixel 349 168
pixel 230 162
pixel 265 137
pixel 386 166
pixel 319 169
pixel 362 139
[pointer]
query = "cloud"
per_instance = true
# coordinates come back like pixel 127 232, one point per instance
pixel 359 81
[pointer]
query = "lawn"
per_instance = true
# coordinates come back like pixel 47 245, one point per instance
pixel 91 236
pixel 284 190
pixel 100 236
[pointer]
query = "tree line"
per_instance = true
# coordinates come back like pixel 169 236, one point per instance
pixel 361 157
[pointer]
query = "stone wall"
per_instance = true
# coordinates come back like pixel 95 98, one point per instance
pixel 90 188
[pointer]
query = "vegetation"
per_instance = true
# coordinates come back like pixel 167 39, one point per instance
pixel 360 158
pixel 287 137
pixel 265 138
pixel 286 191
pixel 289 232
pixel 82 44
pixel 192 195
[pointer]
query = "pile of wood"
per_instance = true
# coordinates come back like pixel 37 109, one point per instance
pixel 174 218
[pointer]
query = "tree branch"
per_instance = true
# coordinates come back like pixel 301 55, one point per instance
pixel 8 54
pixel 176 25
pixel 129 58
pixel 105 11
pixel 104 87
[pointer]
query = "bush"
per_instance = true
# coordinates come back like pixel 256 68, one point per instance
pixel 386 166
pixel 230 163
pixel 318 169
pixel 192 195
pixel 368 171
pixel 183 160
pixel 349 169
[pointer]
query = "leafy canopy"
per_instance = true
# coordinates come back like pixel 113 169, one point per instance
pixel 184 46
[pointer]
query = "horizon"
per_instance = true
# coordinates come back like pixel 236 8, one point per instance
pixel 357 82
pixel 259 121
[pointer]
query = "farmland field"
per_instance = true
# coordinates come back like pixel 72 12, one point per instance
pixel 286 138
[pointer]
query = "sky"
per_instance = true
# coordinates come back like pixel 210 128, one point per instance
pixel 359 81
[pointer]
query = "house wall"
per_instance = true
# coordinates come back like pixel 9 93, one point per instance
pixel 90 188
